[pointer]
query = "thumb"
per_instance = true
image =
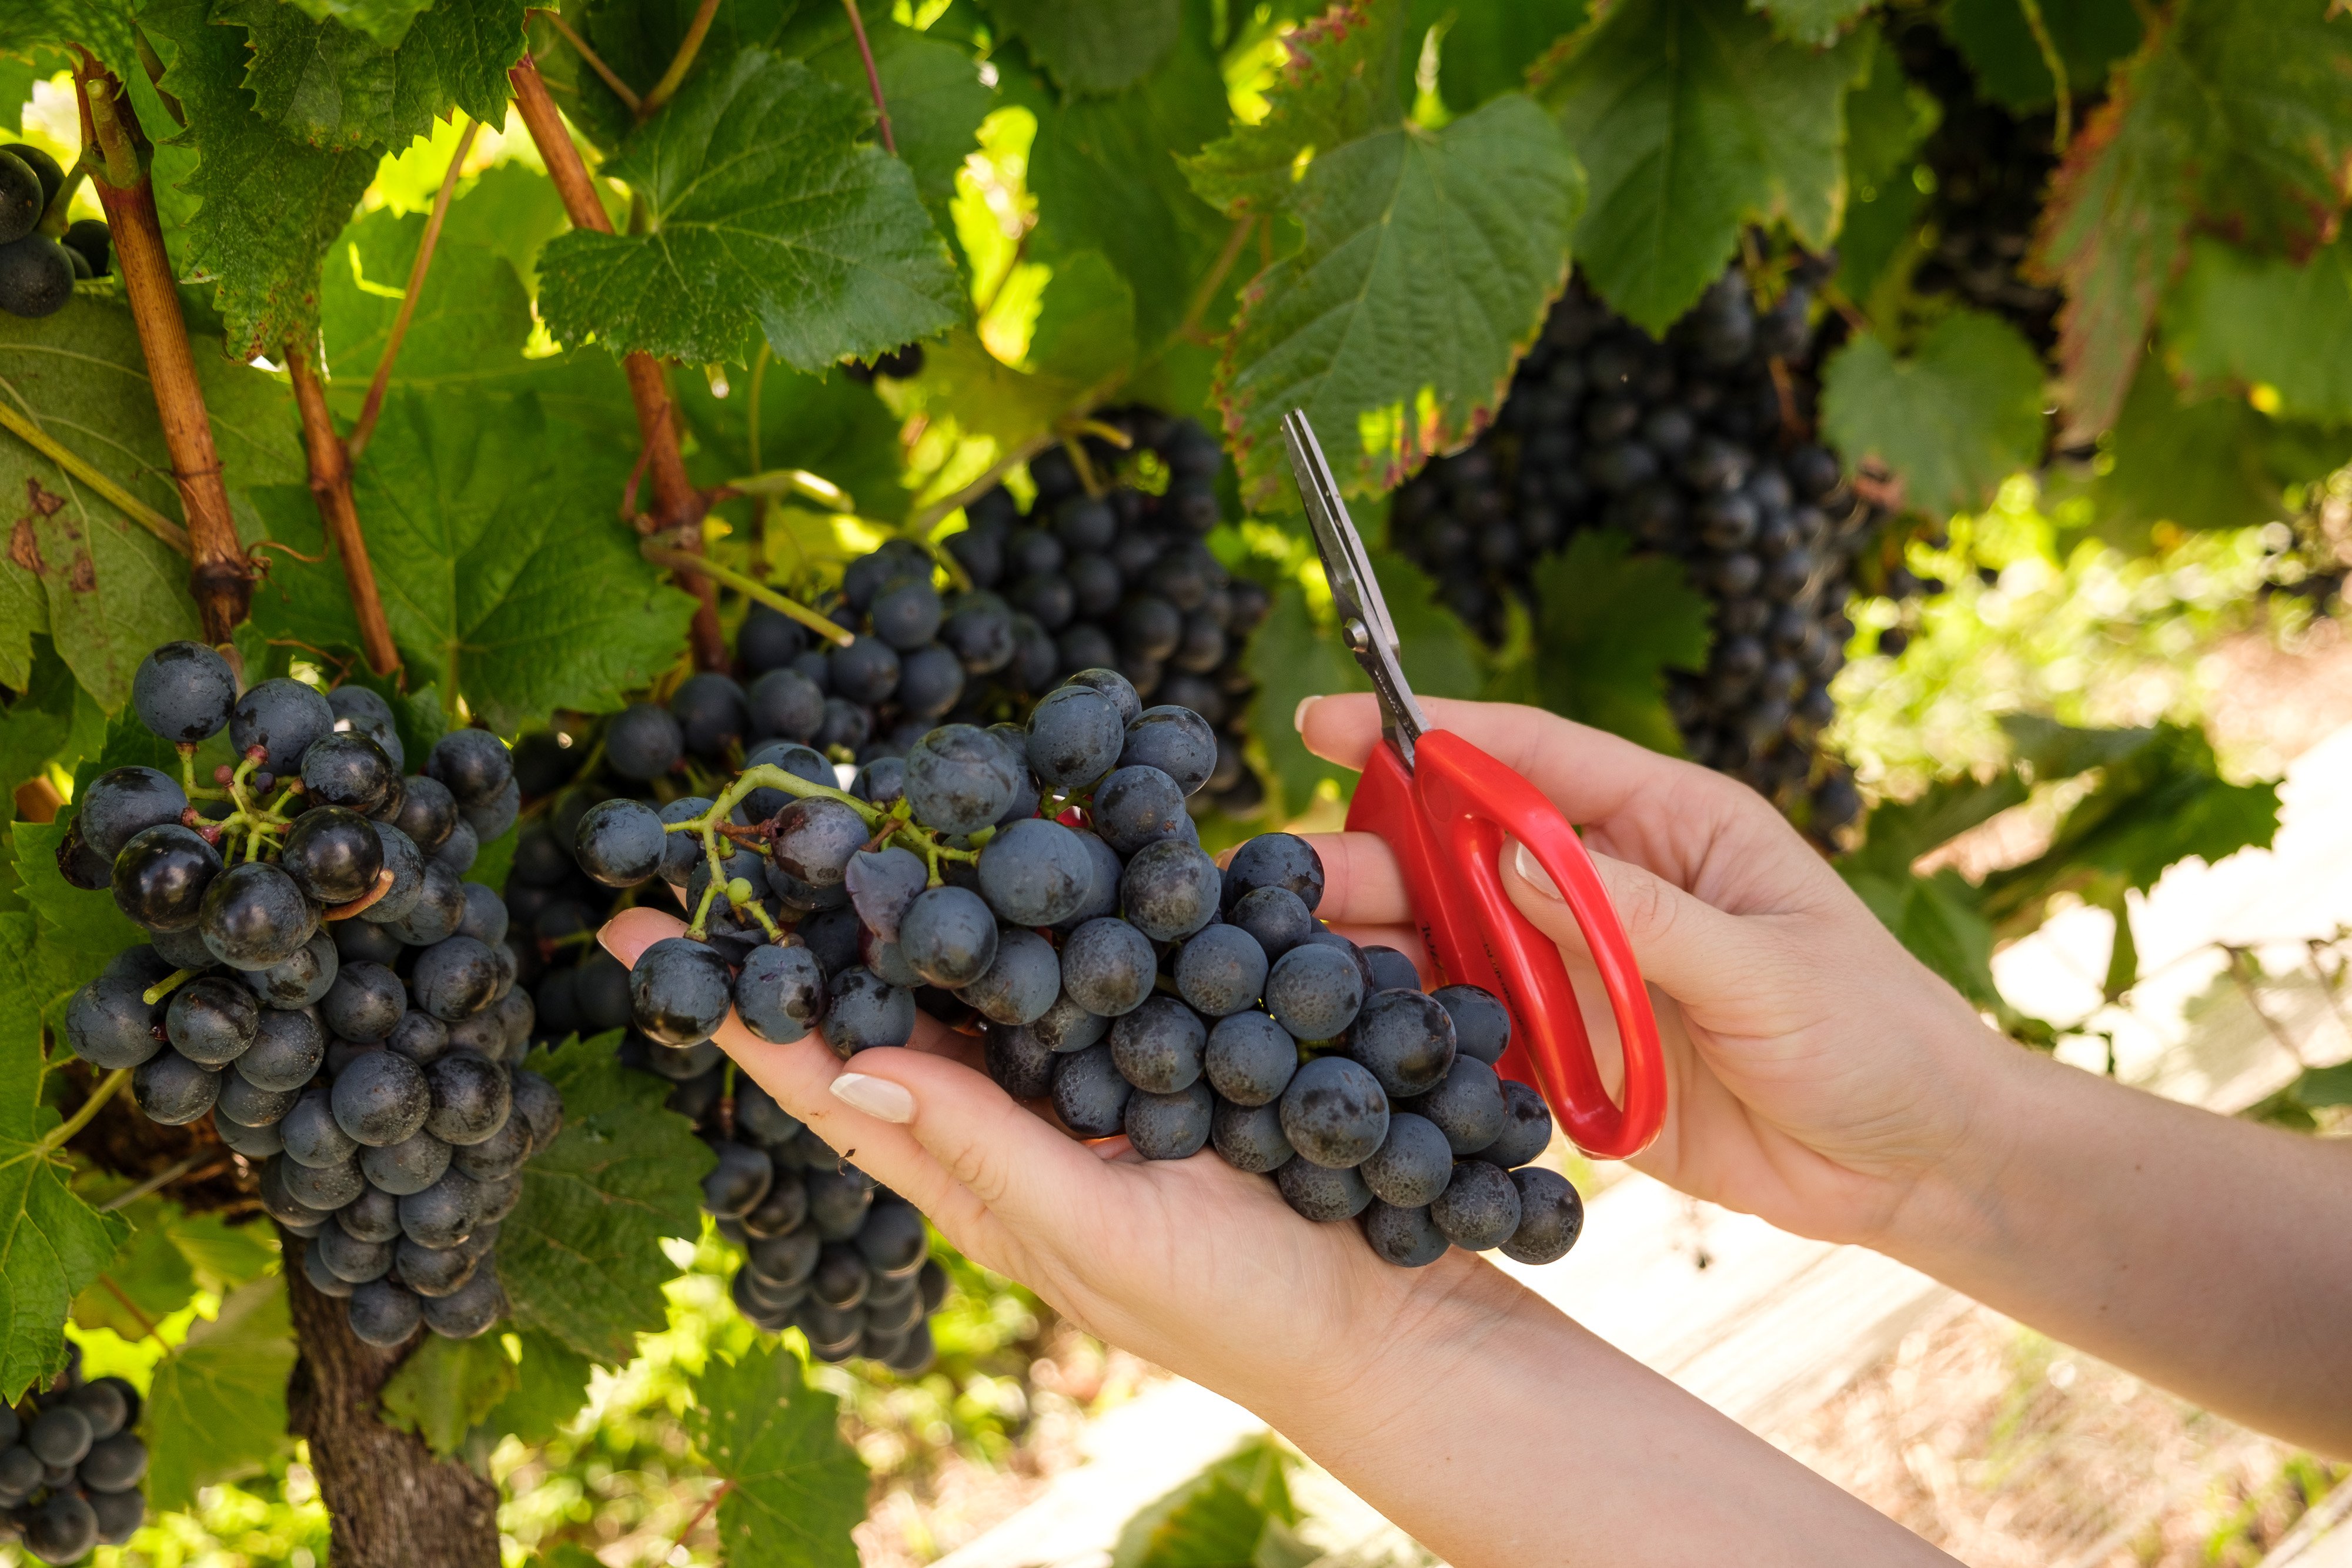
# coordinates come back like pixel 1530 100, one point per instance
pixel 1684 946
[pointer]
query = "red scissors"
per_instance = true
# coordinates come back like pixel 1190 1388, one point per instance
pixel 1444 808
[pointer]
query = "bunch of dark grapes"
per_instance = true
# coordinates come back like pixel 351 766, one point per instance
pixel 71 1465
pixel 1042 886
pixel 1697 447
pixel 1118 578
pixel 37 269
pixel 321 982
pixel 1992 170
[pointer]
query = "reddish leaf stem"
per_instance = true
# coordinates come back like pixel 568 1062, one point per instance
pixel 872 77
pixel 712 1501
pixel 373 406
pixel 330 488
pixel 677 506
pixel 220 576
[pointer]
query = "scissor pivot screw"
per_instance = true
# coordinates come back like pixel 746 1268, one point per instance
pixel 1360 636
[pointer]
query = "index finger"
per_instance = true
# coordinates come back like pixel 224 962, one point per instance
pixel 1589 774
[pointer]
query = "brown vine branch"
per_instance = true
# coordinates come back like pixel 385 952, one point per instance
pixel 680 63
pixel 620 89
pixel 331 489
pixel 82 468
pixel 872 77
pixel 220 576
pixel 677 505
pixel 373 406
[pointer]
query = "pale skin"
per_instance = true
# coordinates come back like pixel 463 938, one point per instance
pixel 1820 1077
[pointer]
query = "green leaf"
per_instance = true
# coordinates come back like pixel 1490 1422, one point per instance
pixel 80 931
pixel 1993 36
pixel 385 21
pixel 2267 322
pixel 1427 261
pixel 550 1386
pixel 795 1487
pixel 1338 82
pixel 830 425
pixel 581 1256
pixel 103 588
pixel 470 325
pixel 1887 118
pixel 2200 462
pixel 1901 832
pixel 768 217
pixel 52 1245
pixel 1692 120
pixel 1952 420
pixel 502 568
pixel 963 381
pixel 511 209
pixel 1487 49
pixel 931 87
pixel 2322 1086
pixel 269 204
pixel 2161 803
pixel 147 1268
pixel 50 26
pixel 1939 920
pixel 1094 46
pixel 1108 178
pixel 448 1387
pixel 217 1407
pixel 1220 1517
pixel 1610 626
pixel 35 727
pixel 330 85
pixel 2232 117
pixel 1085 334
pixel 1815 22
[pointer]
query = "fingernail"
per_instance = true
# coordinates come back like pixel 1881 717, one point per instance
pixel 877 1097
pixel 1537 878
pixel 1298 716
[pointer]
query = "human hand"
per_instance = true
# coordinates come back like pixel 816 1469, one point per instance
pixel 1195 1265
pixel 1816 1071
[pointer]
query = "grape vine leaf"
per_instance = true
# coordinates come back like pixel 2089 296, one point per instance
pixel 1238 1510
pixel 51 717
pixel 216 1406
pixel 1108 177
pixel 2201 461
pixel 769 216
pixel 551 1385
pixel 1887 118
pixel 52 1244
pixel 448 1387
pixel 267 204
pixel 963 381
pixel 2230 118
pixel 830 425
pixel 1426 262
pixel 104 28
pixel 385 21
pixel 1692 119
pixel 580 1256
pixel 148 1278
pixel 1485 49
pixel 1952 419
pixel 1609 626
pixel 104 589
pixel 331 85
pixel 1815 22
pixel 79 931
pixel 471 320
pixel 1093 47
pixel 932 88
pixel 501 564
pixel 795 1487
pixel 2266 321
pixel 1993 36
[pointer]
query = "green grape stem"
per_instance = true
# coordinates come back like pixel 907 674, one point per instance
pixel 167 985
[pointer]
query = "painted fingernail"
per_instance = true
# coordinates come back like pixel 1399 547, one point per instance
pixel 1298 716
pixel 1537 878
pixel 877 1097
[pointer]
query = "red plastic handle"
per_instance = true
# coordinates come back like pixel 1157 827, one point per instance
pixel 1446 823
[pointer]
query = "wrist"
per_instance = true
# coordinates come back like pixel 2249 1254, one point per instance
pixel 1953 1201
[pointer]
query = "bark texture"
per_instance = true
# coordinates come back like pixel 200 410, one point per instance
pixel 393 1505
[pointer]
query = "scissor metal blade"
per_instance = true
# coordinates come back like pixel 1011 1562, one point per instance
pixel 1354 590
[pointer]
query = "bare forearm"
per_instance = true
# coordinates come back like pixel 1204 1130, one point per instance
pixel 2212 1256
pixel 1502 1435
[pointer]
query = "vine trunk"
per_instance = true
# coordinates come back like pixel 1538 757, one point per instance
pixel 393 1504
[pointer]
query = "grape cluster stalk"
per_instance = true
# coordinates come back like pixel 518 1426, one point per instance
pixel 70 1463
pixel 321 984
pixel 1697 446
pixel 37 269
pixel 1043 887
